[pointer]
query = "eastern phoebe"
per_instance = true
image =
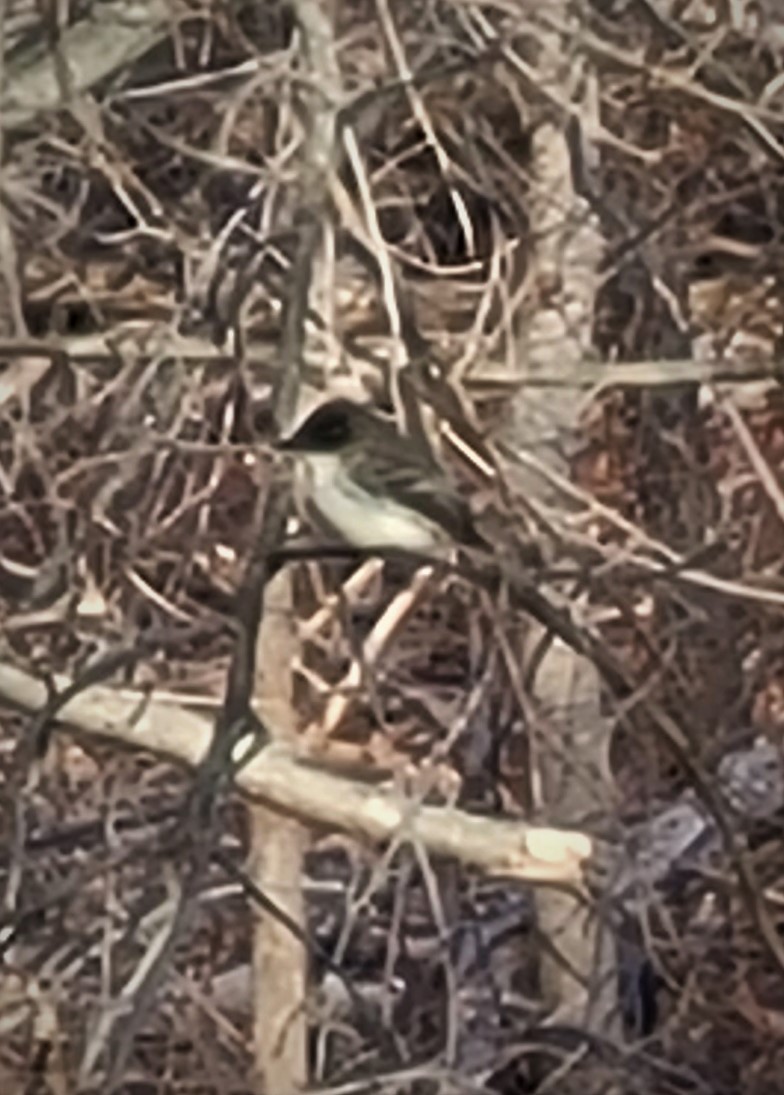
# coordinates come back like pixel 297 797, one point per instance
pixel 376 489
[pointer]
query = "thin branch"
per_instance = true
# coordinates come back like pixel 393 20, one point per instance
pixel 100 350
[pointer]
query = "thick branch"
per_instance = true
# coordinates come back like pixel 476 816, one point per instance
pixel 534 854
pixel 114 34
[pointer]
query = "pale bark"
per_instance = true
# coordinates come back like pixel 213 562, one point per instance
pixel 112 35
pixel 278 844
pixel 578 975
pixel 277 778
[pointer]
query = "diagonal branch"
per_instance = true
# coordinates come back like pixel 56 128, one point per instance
pixel 507 847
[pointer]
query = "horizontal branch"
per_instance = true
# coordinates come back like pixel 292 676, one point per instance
pixel 145 344
pixel 512 848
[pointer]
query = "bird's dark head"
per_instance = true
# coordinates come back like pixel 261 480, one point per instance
pixel 331 427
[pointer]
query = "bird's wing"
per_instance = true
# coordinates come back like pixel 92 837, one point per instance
pixel 417 481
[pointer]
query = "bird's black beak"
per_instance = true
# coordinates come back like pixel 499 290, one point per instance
pixel 285 444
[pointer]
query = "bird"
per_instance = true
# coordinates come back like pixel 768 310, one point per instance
pixel 373 487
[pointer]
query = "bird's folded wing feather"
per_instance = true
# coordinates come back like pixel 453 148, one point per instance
pixel 420 483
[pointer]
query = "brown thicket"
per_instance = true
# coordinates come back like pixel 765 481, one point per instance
pixel 201 203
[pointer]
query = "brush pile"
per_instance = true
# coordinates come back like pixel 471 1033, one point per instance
pixel 151 197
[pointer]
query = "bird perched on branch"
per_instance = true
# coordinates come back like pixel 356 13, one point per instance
pixel 373 487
